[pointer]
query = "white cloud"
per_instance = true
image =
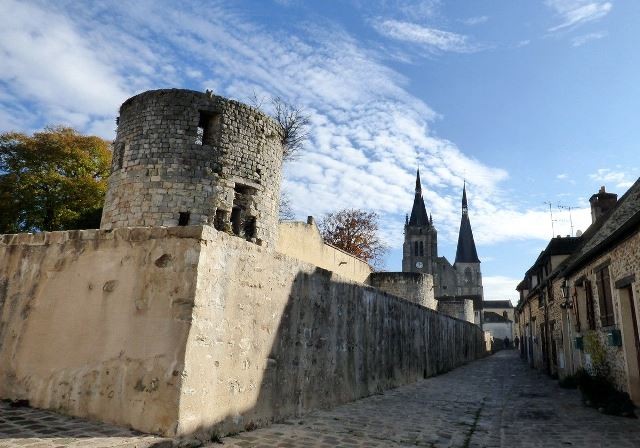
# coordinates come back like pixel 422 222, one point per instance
pixel 475 20
pixel 620 179
pixel 577 12
pixel 562 176
pixel 410 9
pixel 578 41
pixel 366 139
pixel 500 288
pixel 430 38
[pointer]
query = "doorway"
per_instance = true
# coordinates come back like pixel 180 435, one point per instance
pixel 631 340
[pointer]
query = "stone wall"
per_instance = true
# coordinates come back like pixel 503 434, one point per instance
pixel 455 307
pixel 413 286
pixel 189 329
pixel 623 262
pixel 303 241
pixel 213 160
pixel 95 323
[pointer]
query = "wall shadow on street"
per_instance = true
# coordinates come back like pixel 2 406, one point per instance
pixel 339 341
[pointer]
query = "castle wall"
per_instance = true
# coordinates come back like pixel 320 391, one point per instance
pixel 415 287
pixel 213 160
pixel 176 330
pixel 456 307
pixel 95 323
pixel 303 241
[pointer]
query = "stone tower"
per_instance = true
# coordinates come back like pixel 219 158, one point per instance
pixel 188 158
pixel 467 263
pixel 420 249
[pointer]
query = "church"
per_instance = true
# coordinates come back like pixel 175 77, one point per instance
pixel 457 287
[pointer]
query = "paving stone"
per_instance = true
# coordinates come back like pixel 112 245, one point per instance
pixel 496 402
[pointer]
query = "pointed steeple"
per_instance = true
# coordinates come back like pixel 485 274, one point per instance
pixel 466 251
pixel 418 211
pixel 465 209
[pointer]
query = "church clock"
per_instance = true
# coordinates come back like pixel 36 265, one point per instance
pixel 419 264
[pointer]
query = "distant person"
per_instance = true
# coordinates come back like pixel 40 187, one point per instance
pixel 516 342
pixel 506 342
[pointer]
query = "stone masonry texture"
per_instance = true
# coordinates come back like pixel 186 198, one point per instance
pixel 181 151
pixel 495 402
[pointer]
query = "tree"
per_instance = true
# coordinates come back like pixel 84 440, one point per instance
pixel 285 212
pixel 356 232
pixel 293 120
pixel 53 180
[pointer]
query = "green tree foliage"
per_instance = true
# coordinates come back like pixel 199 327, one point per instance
pixel 53 180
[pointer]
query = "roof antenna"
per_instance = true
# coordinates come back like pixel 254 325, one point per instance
pixel 568 207
pixel 553 232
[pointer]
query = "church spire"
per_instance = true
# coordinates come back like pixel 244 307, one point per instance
pixel 465 209
pixel 466 251
pixel 418 211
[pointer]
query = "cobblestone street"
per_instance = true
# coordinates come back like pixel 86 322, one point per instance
pixel 494 402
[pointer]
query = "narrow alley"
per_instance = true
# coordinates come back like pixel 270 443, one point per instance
pixel 494 402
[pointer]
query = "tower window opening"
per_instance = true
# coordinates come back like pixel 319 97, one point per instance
pixel 415 249
pixel 242 223
pixel 183 219
pixel 421 249
pixel 209 128
pixel 220 220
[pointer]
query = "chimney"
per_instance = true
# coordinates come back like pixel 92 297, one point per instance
pixel 601 203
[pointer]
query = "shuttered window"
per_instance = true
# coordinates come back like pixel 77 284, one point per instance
pixel 591 316
pixel 605 301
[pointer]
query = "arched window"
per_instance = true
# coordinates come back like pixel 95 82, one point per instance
pixel 421 249
pixel 415 249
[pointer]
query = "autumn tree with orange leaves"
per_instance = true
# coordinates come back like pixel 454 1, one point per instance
pixel 356 232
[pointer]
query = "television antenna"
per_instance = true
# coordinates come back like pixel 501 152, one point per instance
pixel 553 232
pixel 568 207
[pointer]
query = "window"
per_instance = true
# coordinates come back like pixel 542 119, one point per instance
pixel 209 127
pixel 421 249
pixel 605 301
pixel 243 224
pixel 415 249
pixel 221 219
pixel 183 220
pixel 591 317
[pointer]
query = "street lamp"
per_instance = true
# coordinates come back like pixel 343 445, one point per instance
pixel 565 295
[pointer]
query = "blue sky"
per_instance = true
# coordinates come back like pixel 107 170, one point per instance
pixel 529 101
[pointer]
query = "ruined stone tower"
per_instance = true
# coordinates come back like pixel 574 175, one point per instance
pixel 186 158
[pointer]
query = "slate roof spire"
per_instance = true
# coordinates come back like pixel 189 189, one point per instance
pixel 466 251
pixel 419 215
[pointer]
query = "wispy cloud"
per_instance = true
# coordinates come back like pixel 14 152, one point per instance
pixel 366 139
pixel 429 38
pixel 562 176
pixel 578 41
pixel 415 10
pixel 475 20
pixel 577 12
pixel 620 179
